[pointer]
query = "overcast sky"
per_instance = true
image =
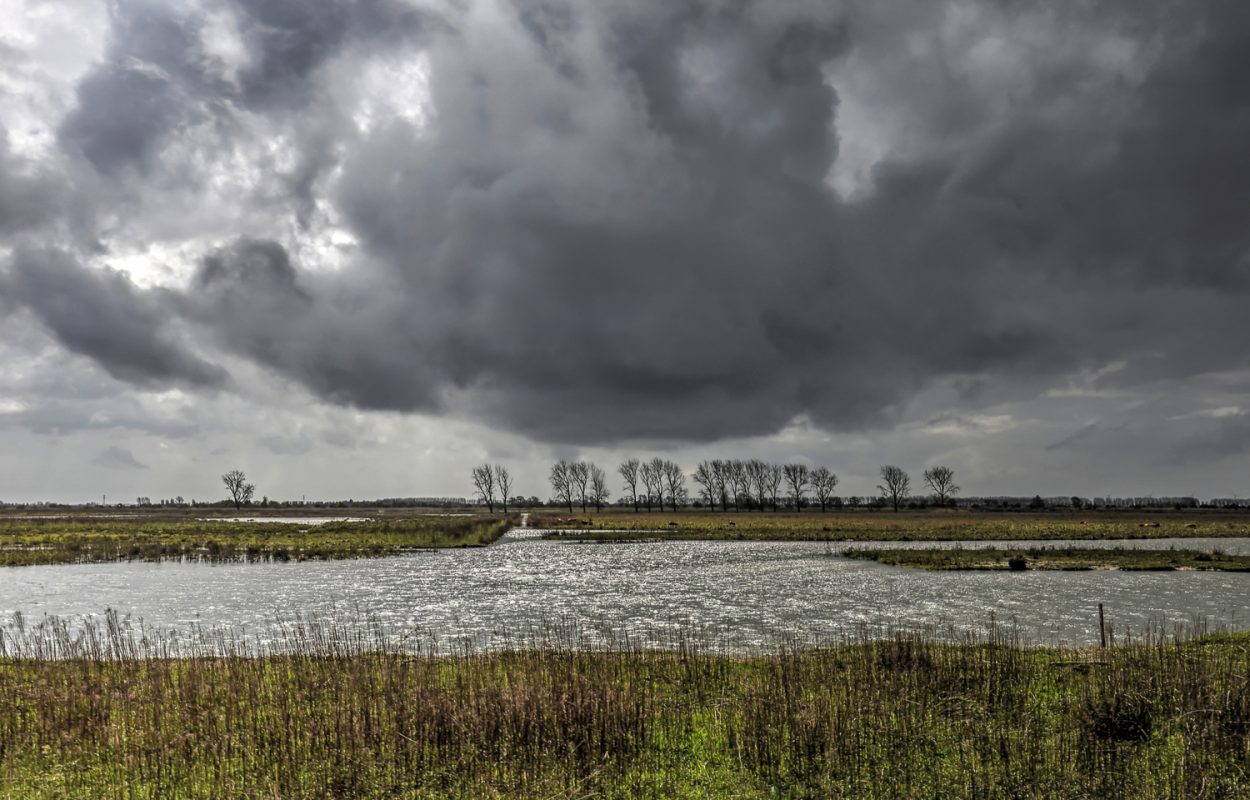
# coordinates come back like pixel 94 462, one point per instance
pixel 353 247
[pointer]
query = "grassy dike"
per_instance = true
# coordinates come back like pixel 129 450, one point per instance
pixel 866 526
pixel 65 541
pixel 905 717
pixel 1053 558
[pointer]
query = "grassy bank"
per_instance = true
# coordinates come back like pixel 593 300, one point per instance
pixel 68 540
pixel 901 718
pixel 1054 558
pixel 887 526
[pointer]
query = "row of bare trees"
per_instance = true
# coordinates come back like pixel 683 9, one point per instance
pixel 579 481
pixel 489 480
pixel 661 481
pixel 739 483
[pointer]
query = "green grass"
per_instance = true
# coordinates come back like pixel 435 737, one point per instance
pixel 936 525
pixel 906 717
pixel 52 540
pixel 1054 558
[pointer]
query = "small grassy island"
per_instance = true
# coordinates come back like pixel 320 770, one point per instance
pixel 70 540
pixel 869 526
pixel 1053 558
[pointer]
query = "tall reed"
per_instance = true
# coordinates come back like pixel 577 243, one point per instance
pixel 328 710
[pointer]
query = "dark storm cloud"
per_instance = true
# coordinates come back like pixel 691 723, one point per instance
pixel 618 221
pixel 136 97
pixel 290 39
pixel 343 343
pixel 1215 439
pixel 102 315
pixel 157 77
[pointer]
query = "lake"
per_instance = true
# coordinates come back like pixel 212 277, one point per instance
pixel 739 594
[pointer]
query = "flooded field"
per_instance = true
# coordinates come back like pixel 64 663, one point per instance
pixel 741 594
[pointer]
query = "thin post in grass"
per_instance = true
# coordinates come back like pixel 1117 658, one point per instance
pixel 1102 626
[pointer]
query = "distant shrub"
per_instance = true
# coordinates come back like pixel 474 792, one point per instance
pixel 1017 563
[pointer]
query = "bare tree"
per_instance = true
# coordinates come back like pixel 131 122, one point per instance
pixel 503 479
pixel 823 484
pixel 721 471
pixel 798 476
pixel 561 483
pixel 598 487
pixel 705 476
pixel 240 490
pixel 773 476
pixel 579 477
pixel 652 474
pixel 484 484
pixel 757 475
pixel 941 480
pixel 740 479
pixel 674 484
pixel 629 471
pixel 895 484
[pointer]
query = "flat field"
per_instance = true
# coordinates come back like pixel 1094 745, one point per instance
pixel 1054 558
pixel 934 525
pixel 51 539
pixel 904 717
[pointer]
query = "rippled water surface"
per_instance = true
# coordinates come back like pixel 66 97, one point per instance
pixel 740 593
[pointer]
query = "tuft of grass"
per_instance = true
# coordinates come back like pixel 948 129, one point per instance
pixel 1053 558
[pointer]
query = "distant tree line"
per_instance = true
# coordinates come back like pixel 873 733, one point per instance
pixel 722 483
pixel 661 483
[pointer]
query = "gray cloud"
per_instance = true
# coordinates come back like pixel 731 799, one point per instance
pixel 117 457
pixel 102 315
pixel 29 197
pixel 138 96
pixel 615 222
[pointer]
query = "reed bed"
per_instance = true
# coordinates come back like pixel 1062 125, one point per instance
pixel 865 526
pixel 333 711
pixel 52 540
pixel 1054 558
